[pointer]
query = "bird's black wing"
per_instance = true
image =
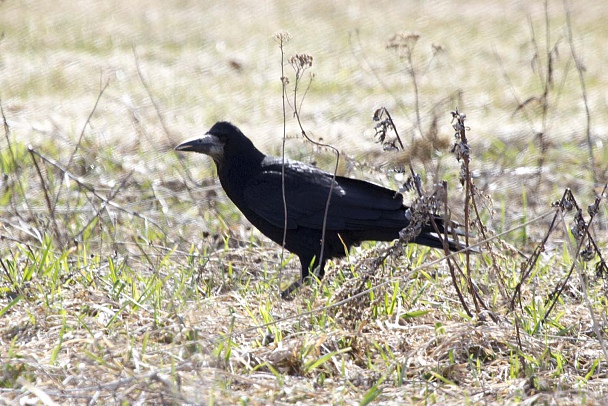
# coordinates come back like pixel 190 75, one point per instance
pixel 354 205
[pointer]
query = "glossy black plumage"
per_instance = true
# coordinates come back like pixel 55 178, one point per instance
pixel 358 211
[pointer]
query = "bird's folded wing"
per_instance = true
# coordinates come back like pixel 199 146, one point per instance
pixel 354 204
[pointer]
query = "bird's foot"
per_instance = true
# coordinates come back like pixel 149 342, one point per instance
pixel 286 294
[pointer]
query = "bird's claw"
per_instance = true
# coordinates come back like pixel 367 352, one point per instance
pixel 286 294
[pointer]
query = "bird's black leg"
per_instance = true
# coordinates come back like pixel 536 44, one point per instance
pixel 307 264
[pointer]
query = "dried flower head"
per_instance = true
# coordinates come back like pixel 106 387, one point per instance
pixel 437 49
pixel 579 228
pixel 301 62
pixel 403 43
pixel 282 37
pixel 385 124
pixel 588 253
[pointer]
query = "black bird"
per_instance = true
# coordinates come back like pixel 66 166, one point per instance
pixel 358 210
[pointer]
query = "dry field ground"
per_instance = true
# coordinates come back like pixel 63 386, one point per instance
pixel 127 277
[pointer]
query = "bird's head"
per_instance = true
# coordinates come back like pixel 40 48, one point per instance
pixel 222 140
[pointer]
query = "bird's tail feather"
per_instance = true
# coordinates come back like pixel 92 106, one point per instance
pixel 429 236
pixel 433 241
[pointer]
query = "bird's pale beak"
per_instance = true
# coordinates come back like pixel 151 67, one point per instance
pixel 207 144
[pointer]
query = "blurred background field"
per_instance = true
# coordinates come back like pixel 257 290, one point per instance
pixel 125 267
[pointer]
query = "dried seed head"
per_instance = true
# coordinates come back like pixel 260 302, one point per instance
pixel 282 37
pixel 601 271
pixel 594 208
pixel 437 49
pixel 401 41
pixel 579 227
pixel 588 253
pixel 301 61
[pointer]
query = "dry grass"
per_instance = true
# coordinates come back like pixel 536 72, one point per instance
pixel 127 277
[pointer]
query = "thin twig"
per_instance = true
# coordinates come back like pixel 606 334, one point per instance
pixel 160 116
pixel 91 189
pixel 77 146
pixel 47 198
pixel 446 249
pixel 531 262
pixel 585 232
pixel 103 207
pixel 333 179
pixel 281 38
pixel 17 179
pixel 463 153
pixel 580 69
pixel 84 127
